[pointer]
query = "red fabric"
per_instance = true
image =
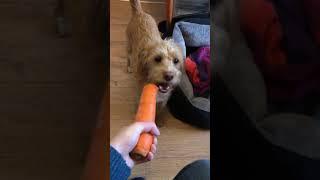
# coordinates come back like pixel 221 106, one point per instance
pixel 312 10
pixel 197 66
pixel 260 24
pixel 192 71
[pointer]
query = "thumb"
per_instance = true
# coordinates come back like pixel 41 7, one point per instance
pixel 149 127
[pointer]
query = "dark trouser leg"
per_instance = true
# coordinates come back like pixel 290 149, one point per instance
pixel 198 170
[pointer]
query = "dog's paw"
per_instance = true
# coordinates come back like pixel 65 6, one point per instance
pixel 129 69
pixel 160 122
pixel 160 118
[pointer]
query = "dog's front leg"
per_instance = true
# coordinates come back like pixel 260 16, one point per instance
pixel 129 64
pixel 129 60
pixel 159 114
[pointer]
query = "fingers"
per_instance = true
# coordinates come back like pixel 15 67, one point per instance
pixel 155 140
pixel 149 127
pixel 150 156
pixel 153 149
pixel 152 152
pixel 154 130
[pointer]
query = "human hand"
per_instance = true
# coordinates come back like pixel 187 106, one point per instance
pixel 125 141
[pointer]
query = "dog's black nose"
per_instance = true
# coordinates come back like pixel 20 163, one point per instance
pixel 168 76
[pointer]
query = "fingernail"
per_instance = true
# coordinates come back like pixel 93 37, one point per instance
pixel 157 132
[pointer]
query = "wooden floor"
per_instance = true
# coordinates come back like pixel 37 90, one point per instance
pixel 179 143
pixel 50 90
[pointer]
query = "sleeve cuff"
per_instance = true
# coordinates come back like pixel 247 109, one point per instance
pixel 118 167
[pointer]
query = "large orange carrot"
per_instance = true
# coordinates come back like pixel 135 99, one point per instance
pixel 146 112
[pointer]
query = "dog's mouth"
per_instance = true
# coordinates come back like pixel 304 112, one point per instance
pixel 164 87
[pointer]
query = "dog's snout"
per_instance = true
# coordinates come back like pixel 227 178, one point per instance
pixel 168 76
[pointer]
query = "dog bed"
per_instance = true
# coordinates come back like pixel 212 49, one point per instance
pixel 191 33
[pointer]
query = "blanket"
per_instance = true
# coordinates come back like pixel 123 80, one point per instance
pixel 192 35
pixel 197 66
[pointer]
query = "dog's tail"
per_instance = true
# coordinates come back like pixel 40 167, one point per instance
pixel 136 6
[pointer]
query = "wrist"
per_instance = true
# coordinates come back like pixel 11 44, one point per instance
pixel 128 160
pixel 116 146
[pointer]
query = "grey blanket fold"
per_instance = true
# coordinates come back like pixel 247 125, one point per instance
pixel 191 34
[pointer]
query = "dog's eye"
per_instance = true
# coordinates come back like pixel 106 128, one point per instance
pixel 157 59
pixel 175 60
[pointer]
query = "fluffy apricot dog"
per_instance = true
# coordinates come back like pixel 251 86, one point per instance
pixel 152 59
